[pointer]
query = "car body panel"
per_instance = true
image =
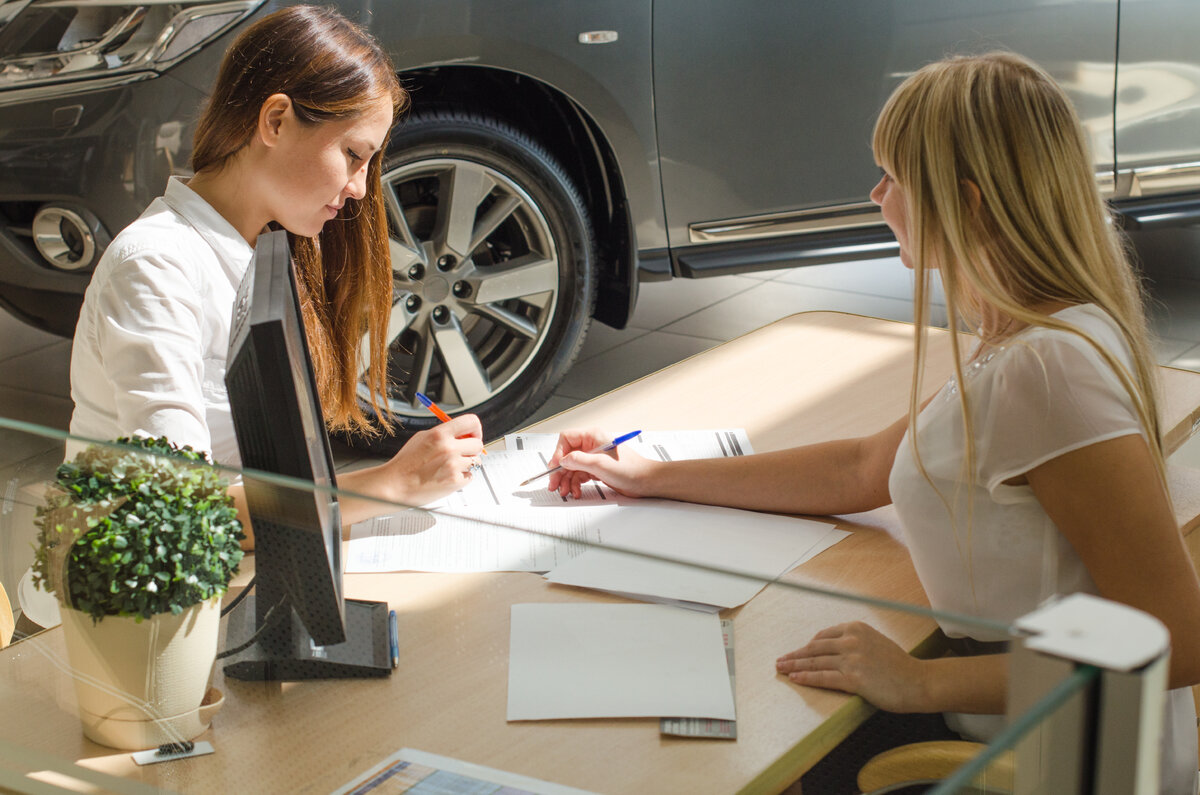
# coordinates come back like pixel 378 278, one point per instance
pixel 112 161
pixel 776 116
pixel 611 82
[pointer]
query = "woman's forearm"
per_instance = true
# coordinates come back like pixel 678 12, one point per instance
pixel 965 684
pixel 844 476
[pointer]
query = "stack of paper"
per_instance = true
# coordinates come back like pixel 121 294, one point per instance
pixel 473 540
pixel 466 531
pixel 693 555
pixel 616 661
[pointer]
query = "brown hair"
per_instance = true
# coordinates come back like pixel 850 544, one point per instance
pixel 331 69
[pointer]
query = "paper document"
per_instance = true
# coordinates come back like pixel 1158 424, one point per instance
pixel 616 661
pixel 497 484
pixel 694 553
pixel 709 728
pixel 659 445
pixel 464 532
pixel 466 541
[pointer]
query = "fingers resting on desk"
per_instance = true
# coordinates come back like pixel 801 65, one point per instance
pixel 856 658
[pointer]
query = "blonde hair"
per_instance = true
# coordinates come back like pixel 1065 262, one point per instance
pixel 1038 231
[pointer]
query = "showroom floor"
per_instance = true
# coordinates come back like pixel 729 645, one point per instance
pixel 675 320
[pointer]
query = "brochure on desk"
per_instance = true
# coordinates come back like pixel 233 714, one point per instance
pixel 422 773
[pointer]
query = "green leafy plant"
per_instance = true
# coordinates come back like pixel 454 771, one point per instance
pixel 138 528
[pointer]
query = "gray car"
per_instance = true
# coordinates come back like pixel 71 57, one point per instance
pixel 558 153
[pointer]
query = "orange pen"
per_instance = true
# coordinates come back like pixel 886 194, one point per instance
pixel 436 410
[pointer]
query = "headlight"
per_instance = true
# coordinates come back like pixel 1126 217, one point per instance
pixel 52 41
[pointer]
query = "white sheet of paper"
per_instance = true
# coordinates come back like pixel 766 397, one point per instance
pixel 616 661
pixel 736 552
pixel 659 445
pixel 472 541
pixel 497 483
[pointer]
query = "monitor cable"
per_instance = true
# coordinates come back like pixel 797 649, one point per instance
pixel 237 599
pixel 270 616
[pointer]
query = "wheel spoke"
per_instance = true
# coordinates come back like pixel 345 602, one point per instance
pixel 518 324
pixel 406 250
pixel 398 321
pixel 497 214
pixel 418 379
pixel 463 368
pixel 461 190
pixel 516 278
pixel 404 257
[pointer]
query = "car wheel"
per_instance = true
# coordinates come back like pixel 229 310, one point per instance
pixel 493 276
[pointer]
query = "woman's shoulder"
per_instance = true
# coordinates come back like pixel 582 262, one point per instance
pixel 1088 329
pixel 158 232
pixel 1045 359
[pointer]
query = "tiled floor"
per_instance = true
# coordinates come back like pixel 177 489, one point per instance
pixel 677 319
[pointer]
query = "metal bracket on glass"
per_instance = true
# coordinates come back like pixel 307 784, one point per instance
pixel 1105 738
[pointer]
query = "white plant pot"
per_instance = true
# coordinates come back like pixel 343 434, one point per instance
pixel 141 684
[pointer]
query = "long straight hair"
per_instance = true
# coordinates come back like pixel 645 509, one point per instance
pixel 1039 232
pixel 331 70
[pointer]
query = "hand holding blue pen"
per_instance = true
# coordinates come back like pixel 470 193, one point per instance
pixel 602 449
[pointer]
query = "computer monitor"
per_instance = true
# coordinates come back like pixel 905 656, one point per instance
pixel 297 624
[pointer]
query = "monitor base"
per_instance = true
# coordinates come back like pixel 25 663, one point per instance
pixel 365 653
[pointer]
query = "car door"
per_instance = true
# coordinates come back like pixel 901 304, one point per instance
pixel 765 109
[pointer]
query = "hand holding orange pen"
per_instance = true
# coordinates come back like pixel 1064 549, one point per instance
pixel 436 410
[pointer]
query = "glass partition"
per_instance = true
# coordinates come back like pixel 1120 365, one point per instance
pixel 505 636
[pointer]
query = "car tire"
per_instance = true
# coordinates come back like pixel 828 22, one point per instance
pixel 493 273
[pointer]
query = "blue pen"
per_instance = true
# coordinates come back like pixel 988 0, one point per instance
pixel 604 449
pixel 394 638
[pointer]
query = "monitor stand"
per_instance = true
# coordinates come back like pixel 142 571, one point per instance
pixel 285 651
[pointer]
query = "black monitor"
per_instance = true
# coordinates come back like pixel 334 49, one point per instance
pixel 296 625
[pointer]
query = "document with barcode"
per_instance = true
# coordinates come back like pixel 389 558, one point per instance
pixel 659 445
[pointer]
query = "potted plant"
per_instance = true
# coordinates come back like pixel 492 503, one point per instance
pixel 138 540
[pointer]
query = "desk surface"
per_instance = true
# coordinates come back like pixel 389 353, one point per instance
pixel 806 378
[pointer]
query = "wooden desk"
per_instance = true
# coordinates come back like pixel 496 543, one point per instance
pixel 806 378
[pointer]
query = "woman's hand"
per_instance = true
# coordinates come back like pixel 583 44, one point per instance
pixel 622 469
pixel 856 658
pixel 435 462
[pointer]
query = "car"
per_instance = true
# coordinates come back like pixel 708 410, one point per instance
pixel 558 154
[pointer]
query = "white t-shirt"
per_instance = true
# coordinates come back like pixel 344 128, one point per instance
pixel 1042 394
pixel 153 334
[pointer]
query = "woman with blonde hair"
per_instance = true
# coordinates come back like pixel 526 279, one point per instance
pixel 1038 468
pixel 293 136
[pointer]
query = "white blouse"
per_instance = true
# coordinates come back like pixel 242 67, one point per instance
pixel 153 335
pixel 1042 394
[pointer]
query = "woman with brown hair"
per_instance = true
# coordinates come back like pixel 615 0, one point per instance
pixel 293 135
